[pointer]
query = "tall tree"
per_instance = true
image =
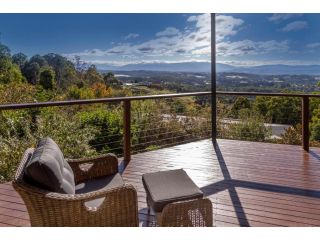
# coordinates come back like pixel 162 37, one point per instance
pixel 111 80
pixel 47 78
pixel 93 76
pixel 4 51
pixel 64 69
pixel 39 59
pixel 31 71
pixel 20 59
pixel 9 72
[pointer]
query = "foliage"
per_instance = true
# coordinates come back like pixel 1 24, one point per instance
pixel 19 59
pixel 250 127
pixel 100 90
pixel 66 129
pixel 74 92
pixel 111 80
pixel 20 130
pixel 9 72
pixel 292 135
pixel 31 71
pixel 65 71
pixel 109 125
pixel 17 93
pixel 4 51
pixel 93 76
pixel 15 138
pixel 47 78
pixel 239 104
pixel 315 125
pixel 284 110
pixel 40 60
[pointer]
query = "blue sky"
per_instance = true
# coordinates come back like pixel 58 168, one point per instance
pixel 118 39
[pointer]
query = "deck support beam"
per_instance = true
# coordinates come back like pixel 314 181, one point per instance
pixel 127 130
pixel 305 123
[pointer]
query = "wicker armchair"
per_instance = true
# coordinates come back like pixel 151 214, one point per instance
pixel 118 207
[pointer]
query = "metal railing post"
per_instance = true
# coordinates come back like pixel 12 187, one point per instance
pixel 127 130
pixel 305 123
pixel 213 80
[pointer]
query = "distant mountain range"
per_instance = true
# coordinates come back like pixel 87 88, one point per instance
pixel 277 69
pixel 166 67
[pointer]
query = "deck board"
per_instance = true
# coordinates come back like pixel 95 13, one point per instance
pixel 249 183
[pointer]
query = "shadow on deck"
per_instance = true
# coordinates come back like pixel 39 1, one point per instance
pixel 249 183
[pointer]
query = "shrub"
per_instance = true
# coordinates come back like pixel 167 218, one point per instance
pixel 109 129
pixel 292 135
pixel 251 127
pixel 20 130
pixel 47 78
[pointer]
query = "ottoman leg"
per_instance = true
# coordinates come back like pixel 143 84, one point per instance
pixel 148 205
pixel 158 217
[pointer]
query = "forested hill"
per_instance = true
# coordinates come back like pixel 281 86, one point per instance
pixel 51 71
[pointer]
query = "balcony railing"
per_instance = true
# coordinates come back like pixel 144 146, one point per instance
pixel 126 103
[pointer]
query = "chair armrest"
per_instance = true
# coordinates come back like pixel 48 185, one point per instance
pixel 93 167
pixel 119 208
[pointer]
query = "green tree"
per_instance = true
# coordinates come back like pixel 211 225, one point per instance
pixel 239 104
pixel 20 59
pixel 93 76
pixel 9 72
pixel 65 71
pixel 111 81
pixel 286 110
pixel 47 78
pixel 4 51
pixel 31 71
pixel 39 59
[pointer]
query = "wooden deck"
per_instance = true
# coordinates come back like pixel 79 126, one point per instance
pixel 249 183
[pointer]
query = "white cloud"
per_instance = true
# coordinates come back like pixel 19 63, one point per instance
pixel 295 26
pixel 249 47
pixel 226 26
pixel 201 51
pixel 278 17
pixel 131 36
pixel 192 42
pixel 192 19
pixel 169 31
pixel 313 45
pixel 168 43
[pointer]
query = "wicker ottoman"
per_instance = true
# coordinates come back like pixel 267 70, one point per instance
pixel 176 199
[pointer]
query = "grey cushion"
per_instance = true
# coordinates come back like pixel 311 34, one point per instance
pixel 108 182
pixel 169 186
pixel 48 168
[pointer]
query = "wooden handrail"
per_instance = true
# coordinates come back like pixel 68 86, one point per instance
pixel 95 101
pixel 267 94
pixel 136 98
pixel 127 108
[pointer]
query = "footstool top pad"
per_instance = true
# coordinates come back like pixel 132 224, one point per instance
pixel 166 187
